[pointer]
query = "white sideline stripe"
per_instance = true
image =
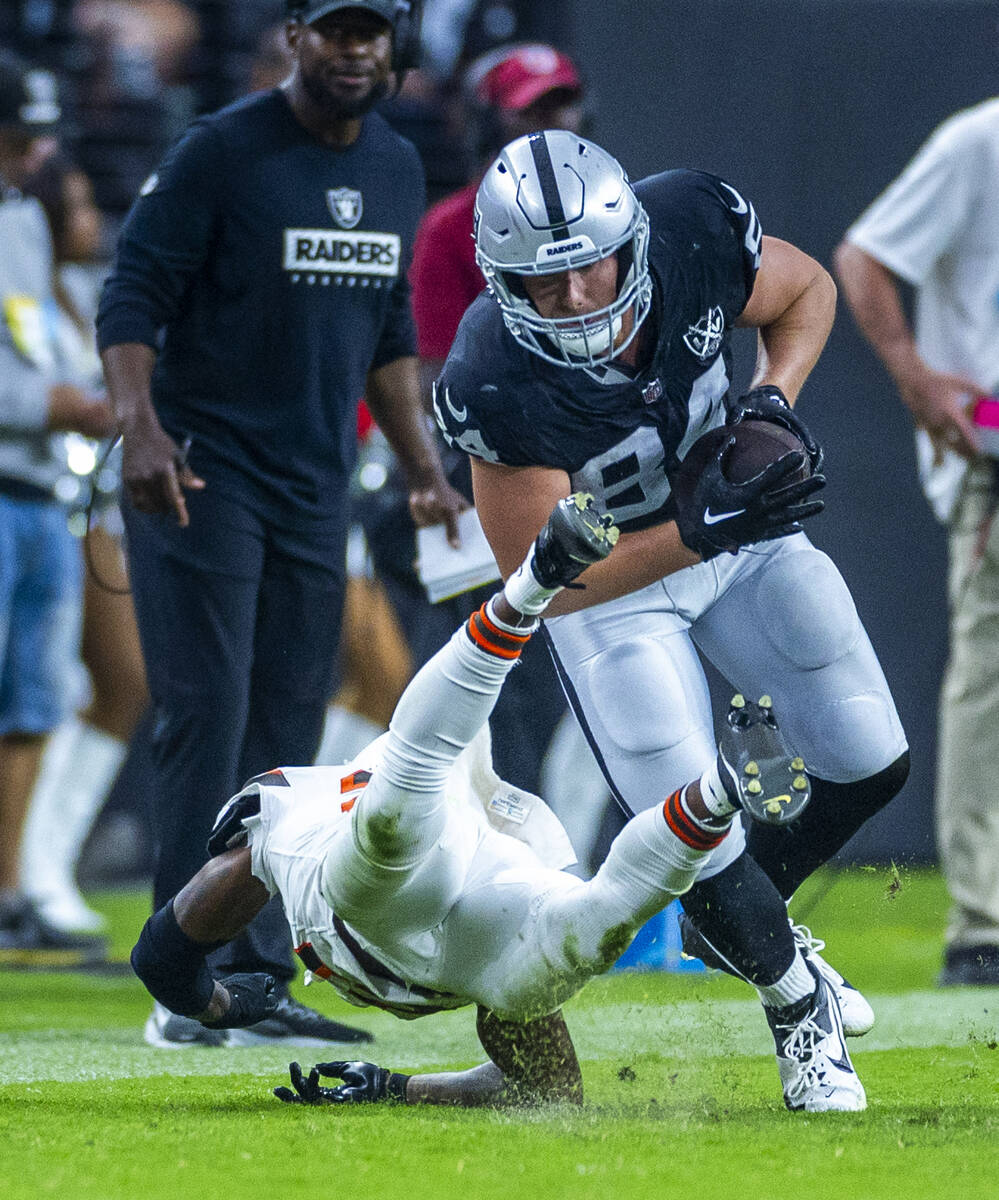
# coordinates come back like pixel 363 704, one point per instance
pixel 700 1029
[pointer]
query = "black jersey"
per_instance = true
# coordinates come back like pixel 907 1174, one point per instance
pixel 618 433
pixel 271 270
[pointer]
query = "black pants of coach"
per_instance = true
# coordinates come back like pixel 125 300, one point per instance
pixel 240 626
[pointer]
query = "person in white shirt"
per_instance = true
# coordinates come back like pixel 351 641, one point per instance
pixel 936 228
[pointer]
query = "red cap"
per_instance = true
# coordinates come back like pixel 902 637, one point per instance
pixel 525 74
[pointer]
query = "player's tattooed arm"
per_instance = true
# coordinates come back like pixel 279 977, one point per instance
pixel 537 1059
pixel 531 1062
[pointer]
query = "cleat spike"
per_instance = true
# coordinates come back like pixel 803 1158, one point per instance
pixel 797 764
pixel 754 762
pixel 766 702
pixel 575 537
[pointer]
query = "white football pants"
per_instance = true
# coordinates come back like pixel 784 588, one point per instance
pixel 777 618
pixel 509 933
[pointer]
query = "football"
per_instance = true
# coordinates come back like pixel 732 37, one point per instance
pixel 756 444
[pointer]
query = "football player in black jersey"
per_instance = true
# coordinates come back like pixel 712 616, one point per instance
pixel 599 355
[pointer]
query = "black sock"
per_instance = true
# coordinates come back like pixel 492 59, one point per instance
pixel 836 811
pixel 741 913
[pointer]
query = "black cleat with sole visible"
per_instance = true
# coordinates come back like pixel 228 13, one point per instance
pixel 575 537
pixel 761 773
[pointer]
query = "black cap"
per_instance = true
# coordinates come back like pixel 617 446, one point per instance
pixel 308 12
pixel 29 97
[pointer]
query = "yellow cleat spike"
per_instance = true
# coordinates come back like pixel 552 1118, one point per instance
pixel 738 700
pixel 766 702
pixel 754 787
pixel 799 783
pixel 752 768
pixel 797 764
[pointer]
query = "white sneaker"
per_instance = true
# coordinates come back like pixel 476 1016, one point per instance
pixel 167 1031
pixel 62 905
pixel 858 1016
pixel 815 1068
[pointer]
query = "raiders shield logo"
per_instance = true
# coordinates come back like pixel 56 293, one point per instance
pixel 704 338
pixel 346 206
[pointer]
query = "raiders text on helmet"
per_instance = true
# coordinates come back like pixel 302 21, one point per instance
pixel 551 202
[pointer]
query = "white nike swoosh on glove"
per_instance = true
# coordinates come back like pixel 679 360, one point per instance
pixel 711 518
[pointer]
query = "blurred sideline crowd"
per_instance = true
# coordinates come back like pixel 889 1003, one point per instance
pixel 113 83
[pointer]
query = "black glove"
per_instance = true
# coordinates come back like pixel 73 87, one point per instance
pixel 252 998
pixel 724 516
pixel 768 403
pixel 363 1083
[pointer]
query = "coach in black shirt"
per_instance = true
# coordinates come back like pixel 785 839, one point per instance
pixel 259 291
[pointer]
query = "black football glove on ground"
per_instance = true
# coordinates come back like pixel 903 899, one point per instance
pixel 769 403
pixel 722 515
pixel 363 1083
pixel 252 998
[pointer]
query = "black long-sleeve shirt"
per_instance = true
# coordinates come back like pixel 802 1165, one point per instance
pixel 269 271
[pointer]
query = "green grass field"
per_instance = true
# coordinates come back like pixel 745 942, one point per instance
pixel 682 1092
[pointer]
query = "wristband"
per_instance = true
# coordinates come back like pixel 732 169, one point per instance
pixel 771 392
pixel 395 1087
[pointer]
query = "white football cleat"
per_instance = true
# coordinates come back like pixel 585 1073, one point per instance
pixel 814 1064
pixel 858 1016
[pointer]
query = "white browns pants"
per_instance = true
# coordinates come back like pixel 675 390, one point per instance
pixel 469 911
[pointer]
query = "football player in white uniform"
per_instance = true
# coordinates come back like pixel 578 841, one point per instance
pixel 597 358
pixel 415 880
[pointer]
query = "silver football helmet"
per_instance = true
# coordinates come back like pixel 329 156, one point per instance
pixel 551 202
